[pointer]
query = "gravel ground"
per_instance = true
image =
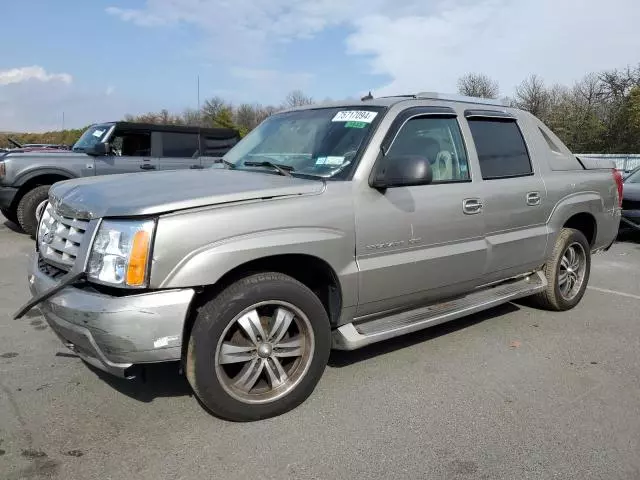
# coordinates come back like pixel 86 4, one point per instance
pixel 512 393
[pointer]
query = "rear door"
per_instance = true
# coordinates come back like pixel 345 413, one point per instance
pixel 177 150
pixel 130 153
pixel 513 193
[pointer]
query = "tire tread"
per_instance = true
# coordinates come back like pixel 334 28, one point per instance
pixel 549 299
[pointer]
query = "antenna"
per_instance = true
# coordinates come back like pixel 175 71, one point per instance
pixel 199 121
pixel 63 120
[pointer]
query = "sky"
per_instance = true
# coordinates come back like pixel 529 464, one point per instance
pixel 100 59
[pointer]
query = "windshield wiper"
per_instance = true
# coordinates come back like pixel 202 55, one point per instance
pixel 282 169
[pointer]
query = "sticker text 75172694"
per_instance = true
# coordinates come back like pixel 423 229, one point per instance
pixel 354 116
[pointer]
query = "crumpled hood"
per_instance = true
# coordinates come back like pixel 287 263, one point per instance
pixel 160 192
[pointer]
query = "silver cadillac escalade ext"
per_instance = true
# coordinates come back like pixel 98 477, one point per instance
pixel 326 227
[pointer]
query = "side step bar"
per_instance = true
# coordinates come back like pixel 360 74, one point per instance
pixel 356 335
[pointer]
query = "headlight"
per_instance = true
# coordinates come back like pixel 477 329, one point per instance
pixel 120 253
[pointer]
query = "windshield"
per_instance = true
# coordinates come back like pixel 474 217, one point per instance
pixel 320 142
pixel 91 136
pixel 634 177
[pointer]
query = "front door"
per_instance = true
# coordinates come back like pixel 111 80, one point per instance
pixel 130 153
pixel 515 206
pixel 416 244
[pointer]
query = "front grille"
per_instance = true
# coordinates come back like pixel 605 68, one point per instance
pixel 60 237
pixel 49 270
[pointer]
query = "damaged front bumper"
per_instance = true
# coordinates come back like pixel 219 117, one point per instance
pixel 114 333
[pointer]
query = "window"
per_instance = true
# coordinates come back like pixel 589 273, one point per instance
pixel 438 140
pixel 217 147
pixel 91 137
pixel 131 143
pixel 181 145
pixel 501 148
pixel 320 142
pixel 634 176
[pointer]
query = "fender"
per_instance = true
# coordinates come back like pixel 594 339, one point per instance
pixel 30 174
pixel 208 264
pixel 581 202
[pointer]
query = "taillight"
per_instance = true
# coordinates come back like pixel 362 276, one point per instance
pixel 617 176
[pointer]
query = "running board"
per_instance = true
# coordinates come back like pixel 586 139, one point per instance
pixel 353 336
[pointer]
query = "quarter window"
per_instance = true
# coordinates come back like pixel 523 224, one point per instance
pixel 182 145
pixel 501 149
pixel 438 140
pixel 217 147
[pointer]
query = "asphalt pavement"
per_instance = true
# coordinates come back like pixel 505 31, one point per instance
pixel 513 393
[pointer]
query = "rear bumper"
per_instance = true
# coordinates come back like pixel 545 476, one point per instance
pixel 115 333
pixel 7 194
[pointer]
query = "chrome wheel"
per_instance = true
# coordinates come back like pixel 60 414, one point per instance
pixel 264 352
pixel 572 271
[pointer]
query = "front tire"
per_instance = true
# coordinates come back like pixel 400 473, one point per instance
pixel 258 348
pixel 28 206
pixel 567 272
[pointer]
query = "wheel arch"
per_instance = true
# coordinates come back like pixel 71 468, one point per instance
pixel 580 211
pixel 312 271
pixel 30 180
pixel 585 223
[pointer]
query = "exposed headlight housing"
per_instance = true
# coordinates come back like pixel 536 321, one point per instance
pixel 120 254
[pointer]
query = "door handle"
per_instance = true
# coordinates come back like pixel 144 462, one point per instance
pixel 533 199
pixel 471 206
pixel 147 166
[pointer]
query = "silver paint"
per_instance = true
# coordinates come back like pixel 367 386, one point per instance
pixel 391 251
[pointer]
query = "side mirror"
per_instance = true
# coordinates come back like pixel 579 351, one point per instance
pixel 97 150
pixel 402 171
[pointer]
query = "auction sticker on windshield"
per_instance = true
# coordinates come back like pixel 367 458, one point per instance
pixel 355 116
pixel 330 160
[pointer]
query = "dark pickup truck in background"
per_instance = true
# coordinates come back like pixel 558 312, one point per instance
pixel 103 149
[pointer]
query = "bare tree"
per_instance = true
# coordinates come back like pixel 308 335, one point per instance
pixel 297 98
pixel 618 83
pixel 191 117
pixel 532 95
pixel 590 89
pixel 212 108
pixel 246 116
pixel 478 85
pixel 265 112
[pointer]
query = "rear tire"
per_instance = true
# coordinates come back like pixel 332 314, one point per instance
pixel 10 215
pixel 258 348
pixel 567 272
pixel 27 207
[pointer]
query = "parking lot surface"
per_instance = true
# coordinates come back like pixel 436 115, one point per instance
pixel 512 393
